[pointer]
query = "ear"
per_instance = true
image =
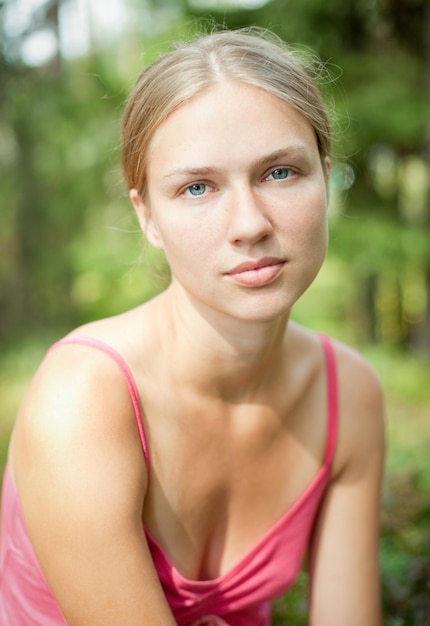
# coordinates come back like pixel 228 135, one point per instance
pixel 146 220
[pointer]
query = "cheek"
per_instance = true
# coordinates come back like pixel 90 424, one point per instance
pixel 188 245
pixel 308 222
pixel 317 227
pixel 317 241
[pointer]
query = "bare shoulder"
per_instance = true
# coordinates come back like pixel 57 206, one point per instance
pixel 355 375
pixel 359 387
pixel 70 377
pixel 81 478
pixel 80 393
pixel 361 409
pixel 77 408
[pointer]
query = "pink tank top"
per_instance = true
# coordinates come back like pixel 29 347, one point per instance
pixel 240 597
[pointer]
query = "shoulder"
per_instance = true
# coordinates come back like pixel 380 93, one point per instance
pixel 81 390
pixel 361 410
pixel 78 407
pixel 361 431
pixel 359 386
pixel 357 379
pixel 74 376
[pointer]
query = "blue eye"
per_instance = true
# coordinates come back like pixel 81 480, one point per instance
pixel 280 173
pixel 196 189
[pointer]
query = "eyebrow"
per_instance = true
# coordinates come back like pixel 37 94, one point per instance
pixel 294 151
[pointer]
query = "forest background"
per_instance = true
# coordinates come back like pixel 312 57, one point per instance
pixel 71 251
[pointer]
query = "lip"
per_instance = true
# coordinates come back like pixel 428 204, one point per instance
pixel 257 273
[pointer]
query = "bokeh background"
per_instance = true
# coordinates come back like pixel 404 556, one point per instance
pixel 71 251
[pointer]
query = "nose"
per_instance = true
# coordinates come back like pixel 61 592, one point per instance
pixel 248 219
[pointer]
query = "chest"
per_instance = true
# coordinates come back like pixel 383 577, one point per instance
pixel 222 476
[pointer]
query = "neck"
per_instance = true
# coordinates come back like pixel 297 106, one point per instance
pixel 216 354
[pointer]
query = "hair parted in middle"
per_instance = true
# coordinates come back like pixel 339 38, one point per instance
pixel 251 56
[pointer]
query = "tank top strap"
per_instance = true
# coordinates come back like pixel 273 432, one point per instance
pixel 332 398
pixel 128 376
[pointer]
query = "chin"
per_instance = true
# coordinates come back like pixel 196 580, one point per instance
pixel 262 310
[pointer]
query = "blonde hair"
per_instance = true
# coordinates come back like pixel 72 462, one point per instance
pixel 250 56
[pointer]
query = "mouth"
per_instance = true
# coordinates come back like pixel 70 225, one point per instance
pixel 257 273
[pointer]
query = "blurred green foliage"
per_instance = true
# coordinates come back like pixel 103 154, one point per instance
pixel 68 239
pixel 71 250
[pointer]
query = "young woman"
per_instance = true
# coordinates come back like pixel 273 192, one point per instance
pixel 175 464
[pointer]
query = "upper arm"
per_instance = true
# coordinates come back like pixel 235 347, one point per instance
pixel 344 569
pixel 81 478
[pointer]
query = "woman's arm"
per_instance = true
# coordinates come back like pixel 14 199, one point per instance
pixel 344 567
pixel 81 478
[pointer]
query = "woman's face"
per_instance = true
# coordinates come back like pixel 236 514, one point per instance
pixel 237 199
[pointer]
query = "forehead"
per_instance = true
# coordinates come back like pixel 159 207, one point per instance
pixel 230 121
